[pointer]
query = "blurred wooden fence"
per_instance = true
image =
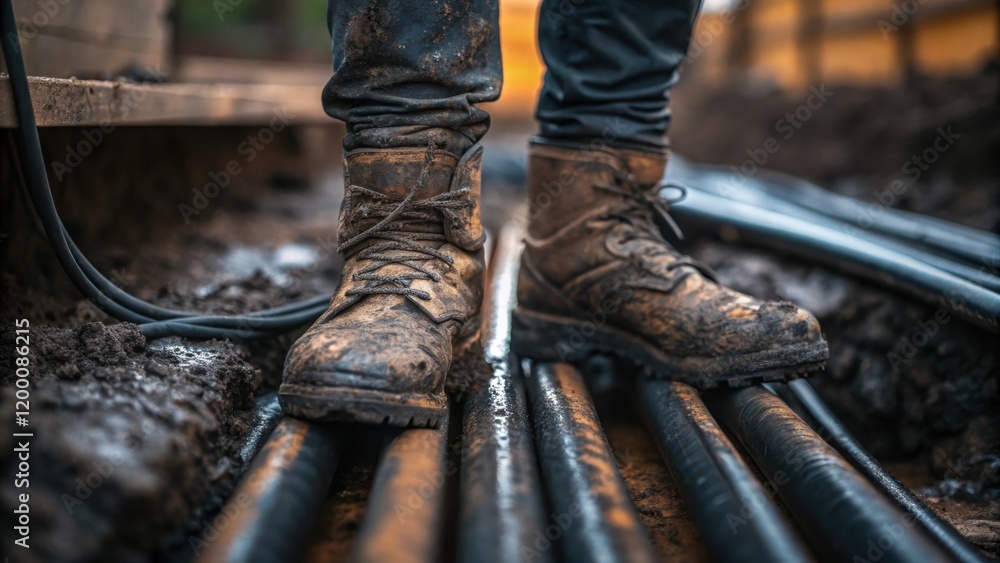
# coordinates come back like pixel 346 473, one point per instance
pixel 94 38
pixel 793 43
pixel 879 42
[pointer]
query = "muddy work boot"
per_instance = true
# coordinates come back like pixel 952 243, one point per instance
pixel 598 276
pixel 409 294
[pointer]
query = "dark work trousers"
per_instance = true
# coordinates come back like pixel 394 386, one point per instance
pixel 410 73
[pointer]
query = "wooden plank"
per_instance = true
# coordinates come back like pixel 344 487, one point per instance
pixel 93 39
pixel 775 17
pixel 106 20
pixel 859 58
pixel 63 102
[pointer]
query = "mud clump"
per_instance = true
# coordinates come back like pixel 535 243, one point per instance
pixel 130 440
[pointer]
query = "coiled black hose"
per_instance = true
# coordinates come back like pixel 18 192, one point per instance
pixel 154 321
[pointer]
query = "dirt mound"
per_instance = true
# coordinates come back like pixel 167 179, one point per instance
pixel 150 425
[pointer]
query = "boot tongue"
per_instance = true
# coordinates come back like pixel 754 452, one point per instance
pixel 395 173
pixel 646 167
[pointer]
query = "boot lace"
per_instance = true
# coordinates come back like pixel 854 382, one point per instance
pixel 396 244
pixel 642 200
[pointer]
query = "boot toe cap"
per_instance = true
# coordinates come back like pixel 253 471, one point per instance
pixel 793 325
pixel 334 358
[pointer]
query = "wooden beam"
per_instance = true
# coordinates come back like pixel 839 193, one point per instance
pixel 68 102
pixel 65 39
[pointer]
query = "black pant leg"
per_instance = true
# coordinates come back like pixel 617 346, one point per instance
pixel 409 73
pixel 609 67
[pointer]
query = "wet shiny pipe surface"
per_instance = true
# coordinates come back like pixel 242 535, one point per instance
pixel 501 496
pixel 867 260
pixel 735 515
pixel 269 516
pixel 842 514
pixel 266 414
pixel 827 424
pixel 593 513
pixel 402 522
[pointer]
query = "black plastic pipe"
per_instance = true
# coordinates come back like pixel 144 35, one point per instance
pixel 405 510
pixel 788 195
pixel 979 276
pixel 154 321
pixel 761 195
pixel 735 515
pixel 833 431
pixel 270 515
pixel 501 512
pixel 593 516
pixel 967 300
pixel 266 415
pixel 841 513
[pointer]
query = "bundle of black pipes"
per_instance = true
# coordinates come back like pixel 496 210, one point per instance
pixel 537 480
pixel 797 197
pixel 948 266
pixel 730 507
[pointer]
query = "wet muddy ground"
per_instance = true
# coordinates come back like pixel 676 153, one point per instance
pixel 138 441
pixel 132 440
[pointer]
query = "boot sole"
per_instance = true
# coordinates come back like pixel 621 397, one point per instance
pixel 555 338
pixel 344 404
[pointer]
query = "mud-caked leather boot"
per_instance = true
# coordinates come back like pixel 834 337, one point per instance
pixel 598 276
pixel 409 294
